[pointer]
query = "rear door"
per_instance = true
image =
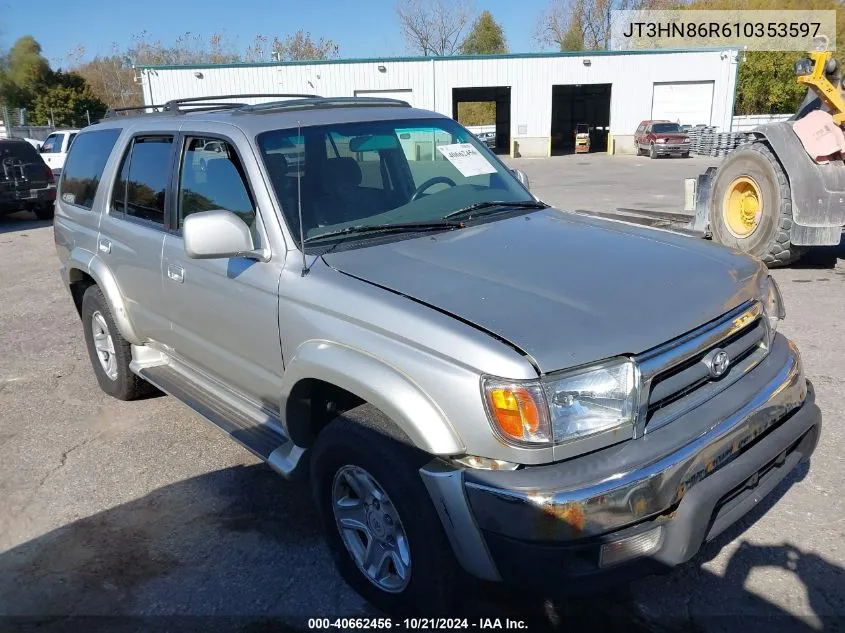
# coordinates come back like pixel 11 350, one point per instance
pixel 133 226
pixel 22 172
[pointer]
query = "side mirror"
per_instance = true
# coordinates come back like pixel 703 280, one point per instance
pixel 217 234
pixel 521 177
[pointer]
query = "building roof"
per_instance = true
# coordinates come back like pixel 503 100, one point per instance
pixel 387 60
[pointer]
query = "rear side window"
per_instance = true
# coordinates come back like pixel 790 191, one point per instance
pixel 84 167
pixel 142 184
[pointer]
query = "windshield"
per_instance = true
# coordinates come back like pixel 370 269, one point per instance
pixel 382 173
pixel 664 128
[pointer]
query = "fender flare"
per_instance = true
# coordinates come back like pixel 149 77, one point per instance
pixel 103 277
pixel 384 387
pixel 816 189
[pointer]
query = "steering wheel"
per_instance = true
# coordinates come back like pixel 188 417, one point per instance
pixel 437 180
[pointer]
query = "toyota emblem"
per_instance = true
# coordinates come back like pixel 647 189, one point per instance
pixel 717 362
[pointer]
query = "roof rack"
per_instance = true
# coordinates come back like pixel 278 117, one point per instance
pixel 200 104
pixel 324 102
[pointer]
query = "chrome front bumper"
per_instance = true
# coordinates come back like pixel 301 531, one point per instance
pixel 645 480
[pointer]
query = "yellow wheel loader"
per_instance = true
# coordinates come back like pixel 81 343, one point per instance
pixel 769 198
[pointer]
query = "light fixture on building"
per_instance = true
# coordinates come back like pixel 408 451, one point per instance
pixel 382 68
pixel 198 74
pixel 587 62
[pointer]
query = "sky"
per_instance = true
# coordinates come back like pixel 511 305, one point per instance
pixel 363 28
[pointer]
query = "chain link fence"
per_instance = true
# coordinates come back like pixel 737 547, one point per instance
pixel 14 124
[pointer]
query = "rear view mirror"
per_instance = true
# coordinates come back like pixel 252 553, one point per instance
pixel 373 143
pixel 217 234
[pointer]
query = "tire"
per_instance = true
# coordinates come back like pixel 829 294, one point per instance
pixel 685 155
pixel 346 447
pixel 769 239
pixel 122 383
pixel 44 212
pixel 652 151
pixel 639 149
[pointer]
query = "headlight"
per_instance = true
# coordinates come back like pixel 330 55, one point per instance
pixel 772 302
pixel 660 140
pixel 564 407
pixel 685 139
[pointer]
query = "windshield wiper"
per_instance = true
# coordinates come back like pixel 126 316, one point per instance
pixel 491 204
pixel 399 227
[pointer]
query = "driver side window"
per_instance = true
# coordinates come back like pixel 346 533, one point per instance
pixel 211 177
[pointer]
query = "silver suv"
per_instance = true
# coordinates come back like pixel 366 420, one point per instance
pixel 476 382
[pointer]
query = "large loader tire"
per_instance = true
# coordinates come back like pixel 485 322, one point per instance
pixel 751 206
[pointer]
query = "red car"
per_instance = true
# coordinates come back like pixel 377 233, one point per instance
pixel 661 138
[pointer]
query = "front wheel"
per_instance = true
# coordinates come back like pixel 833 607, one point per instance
pixel 751 206
pixel 380 523
pixel 652 151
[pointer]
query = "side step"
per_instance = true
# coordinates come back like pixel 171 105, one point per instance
pixel 246 424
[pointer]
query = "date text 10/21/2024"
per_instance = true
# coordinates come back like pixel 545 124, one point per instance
pixel 410 624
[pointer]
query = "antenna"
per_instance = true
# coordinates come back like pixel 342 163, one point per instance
pixel 299 202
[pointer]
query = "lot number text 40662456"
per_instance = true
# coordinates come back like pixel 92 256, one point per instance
pixel 409 624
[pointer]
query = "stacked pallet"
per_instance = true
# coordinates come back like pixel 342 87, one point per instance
pixel 706 141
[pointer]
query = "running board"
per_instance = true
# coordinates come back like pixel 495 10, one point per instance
pixel 243 422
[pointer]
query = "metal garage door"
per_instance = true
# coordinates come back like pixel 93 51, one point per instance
pixel 687 103
pixel 403 94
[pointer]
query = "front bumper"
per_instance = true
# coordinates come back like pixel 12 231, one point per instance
pixel 553 520
pixel 672 148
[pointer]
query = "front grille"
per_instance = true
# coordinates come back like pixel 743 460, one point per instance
pixel 676 377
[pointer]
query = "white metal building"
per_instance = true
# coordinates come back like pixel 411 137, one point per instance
pixel 540 97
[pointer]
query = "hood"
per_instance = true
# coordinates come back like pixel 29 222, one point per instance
pixel 671 136
pixel 566 289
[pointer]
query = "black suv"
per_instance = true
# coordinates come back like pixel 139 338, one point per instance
pixel 26 182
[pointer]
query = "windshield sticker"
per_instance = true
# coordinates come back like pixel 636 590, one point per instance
pixel 466 159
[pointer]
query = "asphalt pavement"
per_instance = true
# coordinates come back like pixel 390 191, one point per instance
pixel 143 512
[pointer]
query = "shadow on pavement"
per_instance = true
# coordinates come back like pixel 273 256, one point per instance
pixel 239 549
pixel 822 257
pixel 21 221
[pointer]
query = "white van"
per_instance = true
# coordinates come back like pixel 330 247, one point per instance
pixel 55 147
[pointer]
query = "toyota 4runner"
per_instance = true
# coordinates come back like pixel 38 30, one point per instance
pixel 475 381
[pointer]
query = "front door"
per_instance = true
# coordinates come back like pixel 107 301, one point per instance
pixel 223 312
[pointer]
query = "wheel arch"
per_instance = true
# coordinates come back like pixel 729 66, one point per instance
pixel 405 411
pixel 82 274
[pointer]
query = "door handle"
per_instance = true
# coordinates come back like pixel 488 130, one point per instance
pixel 176 273
pixel 104 245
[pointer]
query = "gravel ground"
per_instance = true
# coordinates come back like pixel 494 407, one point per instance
pixel 141 509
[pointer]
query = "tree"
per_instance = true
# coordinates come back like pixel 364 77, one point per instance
pixel 112 80
pixel 579 24
pixel 302 47
pixel 433 27
pixel 486 37
pixel 66 100
pixel 766 83
pixel 26 71
pixel 189 48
